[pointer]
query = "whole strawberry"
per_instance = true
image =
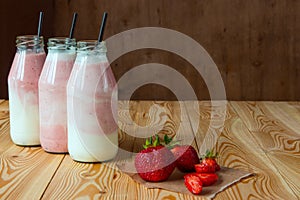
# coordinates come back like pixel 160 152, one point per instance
pixel 155 163
pixel 208 163
pixel 186 157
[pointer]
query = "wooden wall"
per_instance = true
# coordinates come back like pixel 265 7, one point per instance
pixel 20 18
pixel 255 44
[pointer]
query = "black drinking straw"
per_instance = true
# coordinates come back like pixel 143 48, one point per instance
pixel 100 36
pixel 40 24
pixel 73 25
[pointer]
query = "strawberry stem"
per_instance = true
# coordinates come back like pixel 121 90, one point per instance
pixel 150 143
pixel 209 154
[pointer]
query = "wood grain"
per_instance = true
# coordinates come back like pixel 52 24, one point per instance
pixel 6 142
pixel 26 172
pixel 277 134
pixel 286 114
pixel 127 128
pixel 260 137
pixel 272 134
pixel 256 52
pixel 80 180
pixel 236 146
pixel 20 20
pixel 207 122
pixel 4 108
pixel 153 114
pixel 5 139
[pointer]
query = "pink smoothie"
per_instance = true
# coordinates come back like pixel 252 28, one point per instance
pixel 53 101
pixel 23 96
pixel 92 98
pixel 93 102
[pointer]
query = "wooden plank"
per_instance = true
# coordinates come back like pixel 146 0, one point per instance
pixel 202 113
pixel 288 115
pixel 82 180
pixel 295 104
pixel 5 140
pixel 240 46
pixel 4 106
pixel 239 149
pixel 1 100
pixel 26 172
pixel 269 130
pixel 137 191
pixel 288 167
pixel 163 117
pixel 277 134
pixel 17 21
pixel 127 127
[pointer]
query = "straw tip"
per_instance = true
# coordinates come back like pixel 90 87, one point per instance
pixel 100 37
pixel 73 25
pixel 40 23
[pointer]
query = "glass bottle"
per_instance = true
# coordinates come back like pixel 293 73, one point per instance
pixel 23 90
pixel 92 105
pixel 53 95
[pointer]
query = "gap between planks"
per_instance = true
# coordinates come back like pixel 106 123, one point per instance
pixel 53 175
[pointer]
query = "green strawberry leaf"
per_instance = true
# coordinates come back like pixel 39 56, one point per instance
pixel 148 142
pixel 167 139
pixel 156 141
pixel 209 154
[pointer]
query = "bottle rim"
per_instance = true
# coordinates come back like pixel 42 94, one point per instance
pixel 91 45
pixel 24 41
pixel 62 43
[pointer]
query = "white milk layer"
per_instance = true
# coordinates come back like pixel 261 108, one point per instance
pixel 86 140
pixel 24 120
pixel 91 147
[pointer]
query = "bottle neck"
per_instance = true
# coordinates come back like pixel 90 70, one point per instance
pixel 62 44
pixel 30 43
pixel 91 47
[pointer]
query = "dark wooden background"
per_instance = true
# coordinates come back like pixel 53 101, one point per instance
pixel 255 43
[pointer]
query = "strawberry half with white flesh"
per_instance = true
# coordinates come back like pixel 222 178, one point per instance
pixel 193 183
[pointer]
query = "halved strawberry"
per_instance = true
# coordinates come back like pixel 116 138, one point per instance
pixel 193 183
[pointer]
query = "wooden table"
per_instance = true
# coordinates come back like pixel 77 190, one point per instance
pixel 261 137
